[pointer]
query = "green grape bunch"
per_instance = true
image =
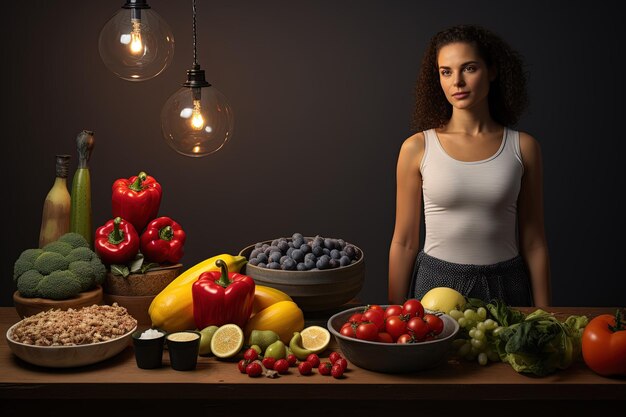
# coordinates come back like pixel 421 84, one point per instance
pixel 476 339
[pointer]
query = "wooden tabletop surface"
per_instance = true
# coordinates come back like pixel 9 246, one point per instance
pixel 120 378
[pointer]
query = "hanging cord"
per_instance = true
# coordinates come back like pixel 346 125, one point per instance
pixel 195 52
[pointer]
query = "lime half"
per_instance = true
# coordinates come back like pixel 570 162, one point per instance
pixel 315 338
pixel 227 341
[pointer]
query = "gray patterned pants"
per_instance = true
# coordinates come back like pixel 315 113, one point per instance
pixel 507 280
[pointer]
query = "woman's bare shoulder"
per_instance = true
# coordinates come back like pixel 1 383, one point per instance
pixel 529 147
pixel 414 144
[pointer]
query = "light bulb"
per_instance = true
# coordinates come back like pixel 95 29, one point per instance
pixel 136 44
pixel 197 123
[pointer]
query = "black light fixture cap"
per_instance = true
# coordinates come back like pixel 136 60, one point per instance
pixel 136 4
pixel 196 78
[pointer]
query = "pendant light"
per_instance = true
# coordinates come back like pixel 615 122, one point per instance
pixel 196 120
pixel 136 43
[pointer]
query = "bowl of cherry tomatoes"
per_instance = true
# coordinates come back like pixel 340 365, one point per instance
pixel 394 338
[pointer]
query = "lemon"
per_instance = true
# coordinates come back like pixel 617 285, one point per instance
pixel 227 341
pixel 443 299
pixel 315 338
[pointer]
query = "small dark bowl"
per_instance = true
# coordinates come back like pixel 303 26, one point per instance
pixel 392 357
pixel 148 352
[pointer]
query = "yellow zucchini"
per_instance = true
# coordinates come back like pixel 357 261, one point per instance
pixel 172 309
pixel 266 296
pixel 284 318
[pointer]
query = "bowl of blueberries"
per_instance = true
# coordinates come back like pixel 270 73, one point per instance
pixel 318 273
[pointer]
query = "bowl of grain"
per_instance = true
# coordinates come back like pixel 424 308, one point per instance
pixel 71 338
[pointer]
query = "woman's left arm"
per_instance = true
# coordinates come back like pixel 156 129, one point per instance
pixel 533 243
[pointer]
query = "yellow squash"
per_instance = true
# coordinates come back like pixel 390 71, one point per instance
pixel 283 317
pixel 172 309
pixel 267 296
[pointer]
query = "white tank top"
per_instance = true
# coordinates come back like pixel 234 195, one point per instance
pixel 470 208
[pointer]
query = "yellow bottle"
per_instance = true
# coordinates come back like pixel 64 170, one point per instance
pixel 55 220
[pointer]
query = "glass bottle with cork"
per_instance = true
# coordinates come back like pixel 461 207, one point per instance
pixel 55 219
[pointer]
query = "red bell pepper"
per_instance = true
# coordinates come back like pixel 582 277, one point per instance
pixel 163 241
pixel 222 297
pixel 116 242
pixel 136 199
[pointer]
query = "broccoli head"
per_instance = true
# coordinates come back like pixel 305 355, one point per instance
pixel 25 262
pixel 28 282
pixel 58 247
pixel 100 271
pixel 48 262
pixel 85 274
pixel 80 254
pixel 59 285
pixel 59 270
pixel 76 240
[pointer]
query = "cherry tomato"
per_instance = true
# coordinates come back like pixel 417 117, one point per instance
pixel 395 326
pixel 604 345
pixel 281 366
pixel 268 362
pixel 314 360
pixel 434 322
pixel 374 307
pixel 418 327
pixel 405 338
pixel 356 318
pixel 325 368
pixel 336 371
pixel 242 366
pixel 305 368
pixel 341 362
pixel 384 337
pixel 292 360
pixel 393 310
pixel 367 331
pixel 333 357
pixel 413 308
pixel 375 316
pixel 250 355
pixel 254 369
pixel 348 330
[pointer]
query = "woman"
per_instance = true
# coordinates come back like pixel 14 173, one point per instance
pixel 479 180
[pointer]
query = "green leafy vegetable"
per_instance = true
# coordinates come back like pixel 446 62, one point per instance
pixel 541 344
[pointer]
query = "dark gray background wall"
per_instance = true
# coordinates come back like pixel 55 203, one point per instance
pixel 322 94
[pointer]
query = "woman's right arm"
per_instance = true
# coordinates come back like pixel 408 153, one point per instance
pixel 406 235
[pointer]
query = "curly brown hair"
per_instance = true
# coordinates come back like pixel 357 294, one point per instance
pixel 507 93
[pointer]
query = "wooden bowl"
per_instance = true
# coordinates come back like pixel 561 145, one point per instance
pixel 315 290
pixel 136 291
pixel 29 306
pixel 150 283
pixel 136 305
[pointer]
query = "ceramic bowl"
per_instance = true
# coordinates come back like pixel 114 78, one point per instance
pixel 68 356
pixel 393 357
pixel 315 290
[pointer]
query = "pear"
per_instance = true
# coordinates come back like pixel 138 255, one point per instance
pixel 206 335
pixel 276 350
pixel 263 338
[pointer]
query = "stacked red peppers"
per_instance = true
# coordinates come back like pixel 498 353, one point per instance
pixel 135 228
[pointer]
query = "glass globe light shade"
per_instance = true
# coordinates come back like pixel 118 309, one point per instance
pixel 136 44
pixel 197 127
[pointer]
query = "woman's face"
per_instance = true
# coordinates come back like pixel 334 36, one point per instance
pixel 463 75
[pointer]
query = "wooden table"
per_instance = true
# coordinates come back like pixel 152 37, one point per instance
pixel 220 383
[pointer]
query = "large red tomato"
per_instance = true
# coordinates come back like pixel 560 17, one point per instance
pixel 604 345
